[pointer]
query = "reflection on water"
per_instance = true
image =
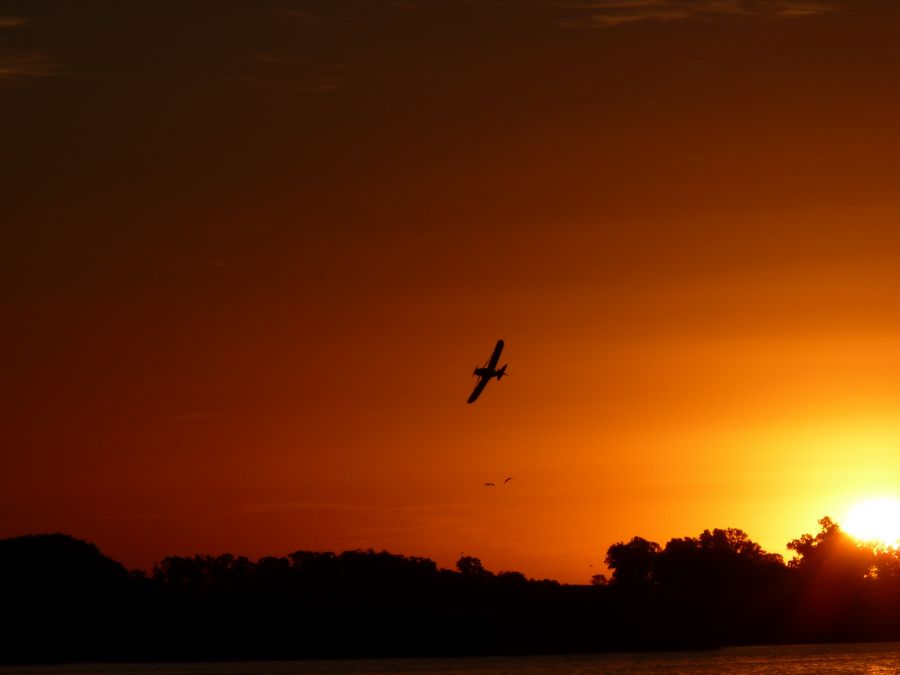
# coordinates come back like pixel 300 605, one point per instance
pixel 871 659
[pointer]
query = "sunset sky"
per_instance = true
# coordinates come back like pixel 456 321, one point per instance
pixel 252 252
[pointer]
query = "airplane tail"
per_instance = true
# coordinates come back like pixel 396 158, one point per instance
pixel 501 372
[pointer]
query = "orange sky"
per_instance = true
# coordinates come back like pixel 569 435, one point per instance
pixel 252 254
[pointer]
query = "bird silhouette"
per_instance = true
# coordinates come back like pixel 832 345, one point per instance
pixel 489 485
pixel 508 479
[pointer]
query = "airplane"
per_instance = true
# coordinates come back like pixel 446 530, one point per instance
pixel 488 371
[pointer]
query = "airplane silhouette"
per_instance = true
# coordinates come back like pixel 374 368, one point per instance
pixel 488 371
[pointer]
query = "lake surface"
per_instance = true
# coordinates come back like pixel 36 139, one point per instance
pixel 871 658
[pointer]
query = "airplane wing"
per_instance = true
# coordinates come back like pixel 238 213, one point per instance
pixel 482 383
pixel 495 357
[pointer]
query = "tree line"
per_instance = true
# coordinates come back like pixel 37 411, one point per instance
pixel 63 600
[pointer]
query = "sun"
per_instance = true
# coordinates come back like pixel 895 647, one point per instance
pixel 876 521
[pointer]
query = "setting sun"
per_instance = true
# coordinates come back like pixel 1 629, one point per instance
pixel 875 520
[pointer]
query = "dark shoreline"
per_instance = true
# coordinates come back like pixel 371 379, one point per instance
pixel 65 602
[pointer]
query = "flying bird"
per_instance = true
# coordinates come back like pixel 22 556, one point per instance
pixel 489 485
pixel 508 479
pixel 487 371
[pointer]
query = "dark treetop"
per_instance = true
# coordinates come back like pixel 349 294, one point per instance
pixel 64 600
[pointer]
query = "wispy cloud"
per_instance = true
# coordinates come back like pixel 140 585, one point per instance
pixel 613 13
pixel 290 73
pixel 804 8
pixel 194 416
pixel 394 510
pixel 16 66
pixel 321 84
pixel 404 5
pixel 313 17
pixel 12 21
pixel 272 59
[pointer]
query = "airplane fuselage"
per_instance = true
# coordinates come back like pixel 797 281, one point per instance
pixel 488 372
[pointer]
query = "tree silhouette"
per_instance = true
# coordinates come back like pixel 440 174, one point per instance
pixel 632 563
pixel 469 566
pixel 832 556
pixel 64 600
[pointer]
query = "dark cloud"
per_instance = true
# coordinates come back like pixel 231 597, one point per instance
pixel 18 63
pixel 12 21
pixel 612 13
pixel 15 66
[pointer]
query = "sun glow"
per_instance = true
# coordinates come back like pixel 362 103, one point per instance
pixel 876 521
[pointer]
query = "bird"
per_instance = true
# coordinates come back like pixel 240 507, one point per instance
pixel 508 479
pixel 489 485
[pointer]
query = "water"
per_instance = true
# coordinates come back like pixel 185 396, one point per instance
pixel 868 658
